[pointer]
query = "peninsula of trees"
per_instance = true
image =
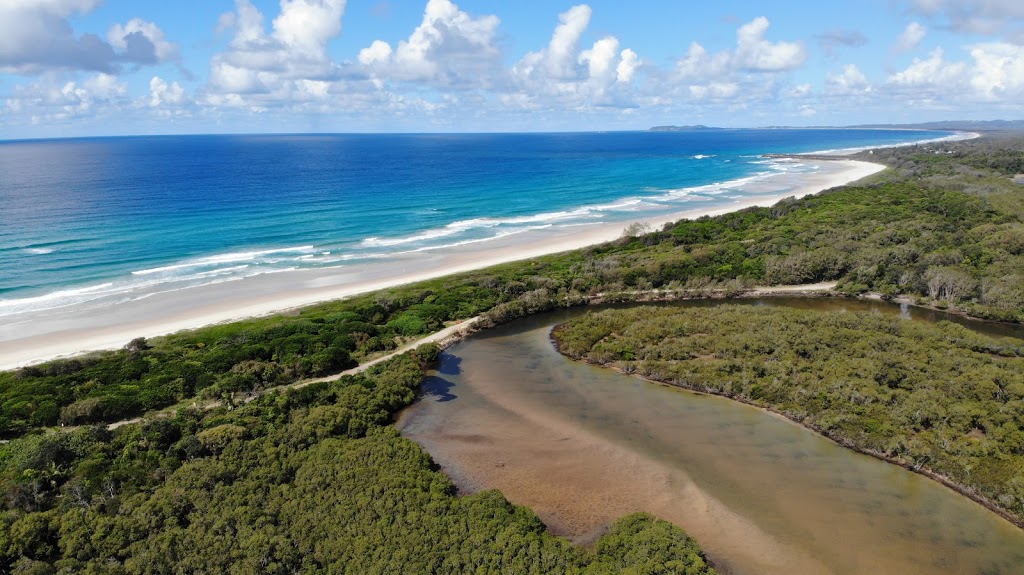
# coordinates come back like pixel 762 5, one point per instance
pixel 937 398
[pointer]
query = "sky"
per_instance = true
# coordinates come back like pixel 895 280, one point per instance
pixel 120 67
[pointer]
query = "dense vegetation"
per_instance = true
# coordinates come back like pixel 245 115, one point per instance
pixel 311 480
pixel 937 397
pixel 945 225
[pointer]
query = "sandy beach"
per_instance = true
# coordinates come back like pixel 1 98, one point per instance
pixel 34 337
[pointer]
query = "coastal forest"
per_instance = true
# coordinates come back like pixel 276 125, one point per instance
pixel 936 398
pixel 234 474
pixel 309 480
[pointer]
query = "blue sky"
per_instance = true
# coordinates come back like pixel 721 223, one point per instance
pixel 95 67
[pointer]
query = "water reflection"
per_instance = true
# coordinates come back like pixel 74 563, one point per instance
pixel 584 445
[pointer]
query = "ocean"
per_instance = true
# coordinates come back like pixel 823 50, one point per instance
pixel 90 222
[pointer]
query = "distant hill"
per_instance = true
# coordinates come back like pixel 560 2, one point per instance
pixel 954 125
pixel 964 125
pixel 682 128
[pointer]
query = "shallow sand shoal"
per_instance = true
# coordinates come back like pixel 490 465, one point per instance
pixel 35 337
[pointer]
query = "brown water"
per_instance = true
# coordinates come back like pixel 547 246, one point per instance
pixel 582 446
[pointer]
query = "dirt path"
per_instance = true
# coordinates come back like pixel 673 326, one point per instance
pixel 449 333
pixel 446 335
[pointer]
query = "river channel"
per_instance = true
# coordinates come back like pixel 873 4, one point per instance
pixel 583 445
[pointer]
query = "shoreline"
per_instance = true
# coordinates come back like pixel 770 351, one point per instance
pixel 42 336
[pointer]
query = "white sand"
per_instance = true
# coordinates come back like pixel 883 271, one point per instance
pixel 32 338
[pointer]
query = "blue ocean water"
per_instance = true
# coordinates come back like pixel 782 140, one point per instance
pixel 89 219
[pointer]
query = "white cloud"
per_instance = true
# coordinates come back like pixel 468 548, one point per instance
pixel 755 53
pixel 448 48
pixel 748 73
pixel 933 71
pixel 993 77
pixel 599 58
pixel 557 61
pixel 628 63
pixel 998 70
pixel 850 81
pixel 260 69
pixel 378 53
pixel 161 93
pixel 911 37
pixel 143 42
pixel 562 75
pixel 698 64
pixel 305 26
pixel 558 57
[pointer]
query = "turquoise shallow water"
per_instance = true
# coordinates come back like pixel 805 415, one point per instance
pixel 96 219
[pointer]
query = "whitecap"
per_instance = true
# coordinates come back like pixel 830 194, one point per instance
pixel 231 257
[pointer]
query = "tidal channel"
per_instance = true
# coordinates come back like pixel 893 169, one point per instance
pixel 583 445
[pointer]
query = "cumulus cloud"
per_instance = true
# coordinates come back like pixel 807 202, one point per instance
pixel 562 73
pixel 850 81
pixel 932 71
pixel 911 37
pixel 752 54
pixel 755 53
pixel 750 72
pixel 993 76
pixel 998 70
pixel 699 64
pixel 163 94
pixel 558 57
pixel 448 48
pixel 274 67
pixel 558 60
pixel 35 36
pixel 628 63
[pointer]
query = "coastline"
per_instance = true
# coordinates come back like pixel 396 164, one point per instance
pixel 37 337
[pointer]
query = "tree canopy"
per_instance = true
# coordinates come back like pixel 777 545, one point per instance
pixel 937 397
